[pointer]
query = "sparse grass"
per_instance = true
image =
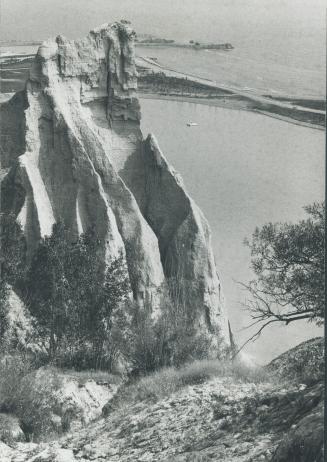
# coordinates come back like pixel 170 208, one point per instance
pixel 167 380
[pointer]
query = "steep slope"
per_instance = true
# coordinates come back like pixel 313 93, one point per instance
pixel 73 151
pixel 231 416
pixel 303 362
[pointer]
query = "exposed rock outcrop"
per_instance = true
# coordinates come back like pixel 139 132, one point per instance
pixel 304 442
pixel 305 362
pixel 75 152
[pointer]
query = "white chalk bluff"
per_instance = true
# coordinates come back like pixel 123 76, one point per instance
pixel 73 151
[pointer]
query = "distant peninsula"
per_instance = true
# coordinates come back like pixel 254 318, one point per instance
pixel 15 43
pixel 149 40
pixel 141 40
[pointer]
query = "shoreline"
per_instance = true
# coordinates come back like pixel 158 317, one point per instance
pixel 236 105
pixel 165 82
pixel 191 46
pixel 157 82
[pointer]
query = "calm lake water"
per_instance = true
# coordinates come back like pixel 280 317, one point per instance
pixel 243 170
pixel 8 50
pixel 240 69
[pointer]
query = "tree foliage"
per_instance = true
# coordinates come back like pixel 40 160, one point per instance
pixel 13 250
pixel 288 262
pixel 74 296
pixel 170 340
pixel 47 289
pixel 81 309
pixel 12 262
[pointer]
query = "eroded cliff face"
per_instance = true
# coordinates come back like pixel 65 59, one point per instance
pixel 73 151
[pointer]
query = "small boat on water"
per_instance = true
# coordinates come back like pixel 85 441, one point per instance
pixel 192 124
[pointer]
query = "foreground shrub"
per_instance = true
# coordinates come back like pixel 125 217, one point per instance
pixel 74 298
pixel 35 405
pixel 12 370
pixel 32 405
pixel 160 345
pixel 10 430
pixel 173 339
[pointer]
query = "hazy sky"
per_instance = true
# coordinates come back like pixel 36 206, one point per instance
pixel 39 19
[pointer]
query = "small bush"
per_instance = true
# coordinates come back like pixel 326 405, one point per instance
pixel 35 405
pixel 173 339
pixel 10 431
pixel 19 395
pixel 12 370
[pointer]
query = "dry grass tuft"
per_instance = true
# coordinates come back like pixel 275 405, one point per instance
pixel 166 381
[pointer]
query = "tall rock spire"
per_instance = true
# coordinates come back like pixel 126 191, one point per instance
pixel 76 154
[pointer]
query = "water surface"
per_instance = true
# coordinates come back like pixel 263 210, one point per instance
pixel 240 68
pixel 243 170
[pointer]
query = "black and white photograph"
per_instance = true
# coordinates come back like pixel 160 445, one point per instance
pixel 162 230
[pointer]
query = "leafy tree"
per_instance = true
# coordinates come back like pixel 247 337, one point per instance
pixel 98 293
pixel 74 296
pixel 12 262
pixel 12 250
pixel 47 289
pixel 288 261
pixel 3 308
